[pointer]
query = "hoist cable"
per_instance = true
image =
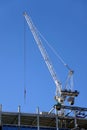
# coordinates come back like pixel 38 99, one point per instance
pixel 24 62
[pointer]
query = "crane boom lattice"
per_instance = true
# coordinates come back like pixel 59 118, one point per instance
pixel 60 93
pixel 44 53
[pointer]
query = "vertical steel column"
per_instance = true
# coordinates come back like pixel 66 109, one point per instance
pixel 38 125
pixel 19 112
pixel 0 114
pixel 75 120
pixel 56 112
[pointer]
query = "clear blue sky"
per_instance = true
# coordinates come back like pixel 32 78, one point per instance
pixel 64 24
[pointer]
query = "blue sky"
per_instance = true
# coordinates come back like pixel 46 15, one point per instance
pixel 64 24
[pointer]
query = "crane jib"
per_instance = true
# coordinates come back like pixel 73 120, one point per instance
pixel 44 53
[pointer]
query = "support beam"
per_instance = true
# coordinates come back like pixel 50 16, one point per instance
pixel 19 112
pixel 38 125
pixel 0 114
pixel 56 112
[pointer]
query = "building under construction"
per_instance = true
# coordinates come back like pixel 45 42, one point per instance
pixel 44 120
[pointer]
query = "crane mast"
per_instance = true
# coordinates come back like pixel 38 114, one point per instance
pixel 60 94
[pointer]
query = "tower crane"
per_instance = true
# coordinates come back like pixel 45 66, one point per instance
pixel 61 93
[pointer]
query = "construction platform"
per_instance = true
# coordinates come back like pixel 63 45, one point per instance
pixel 43 120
